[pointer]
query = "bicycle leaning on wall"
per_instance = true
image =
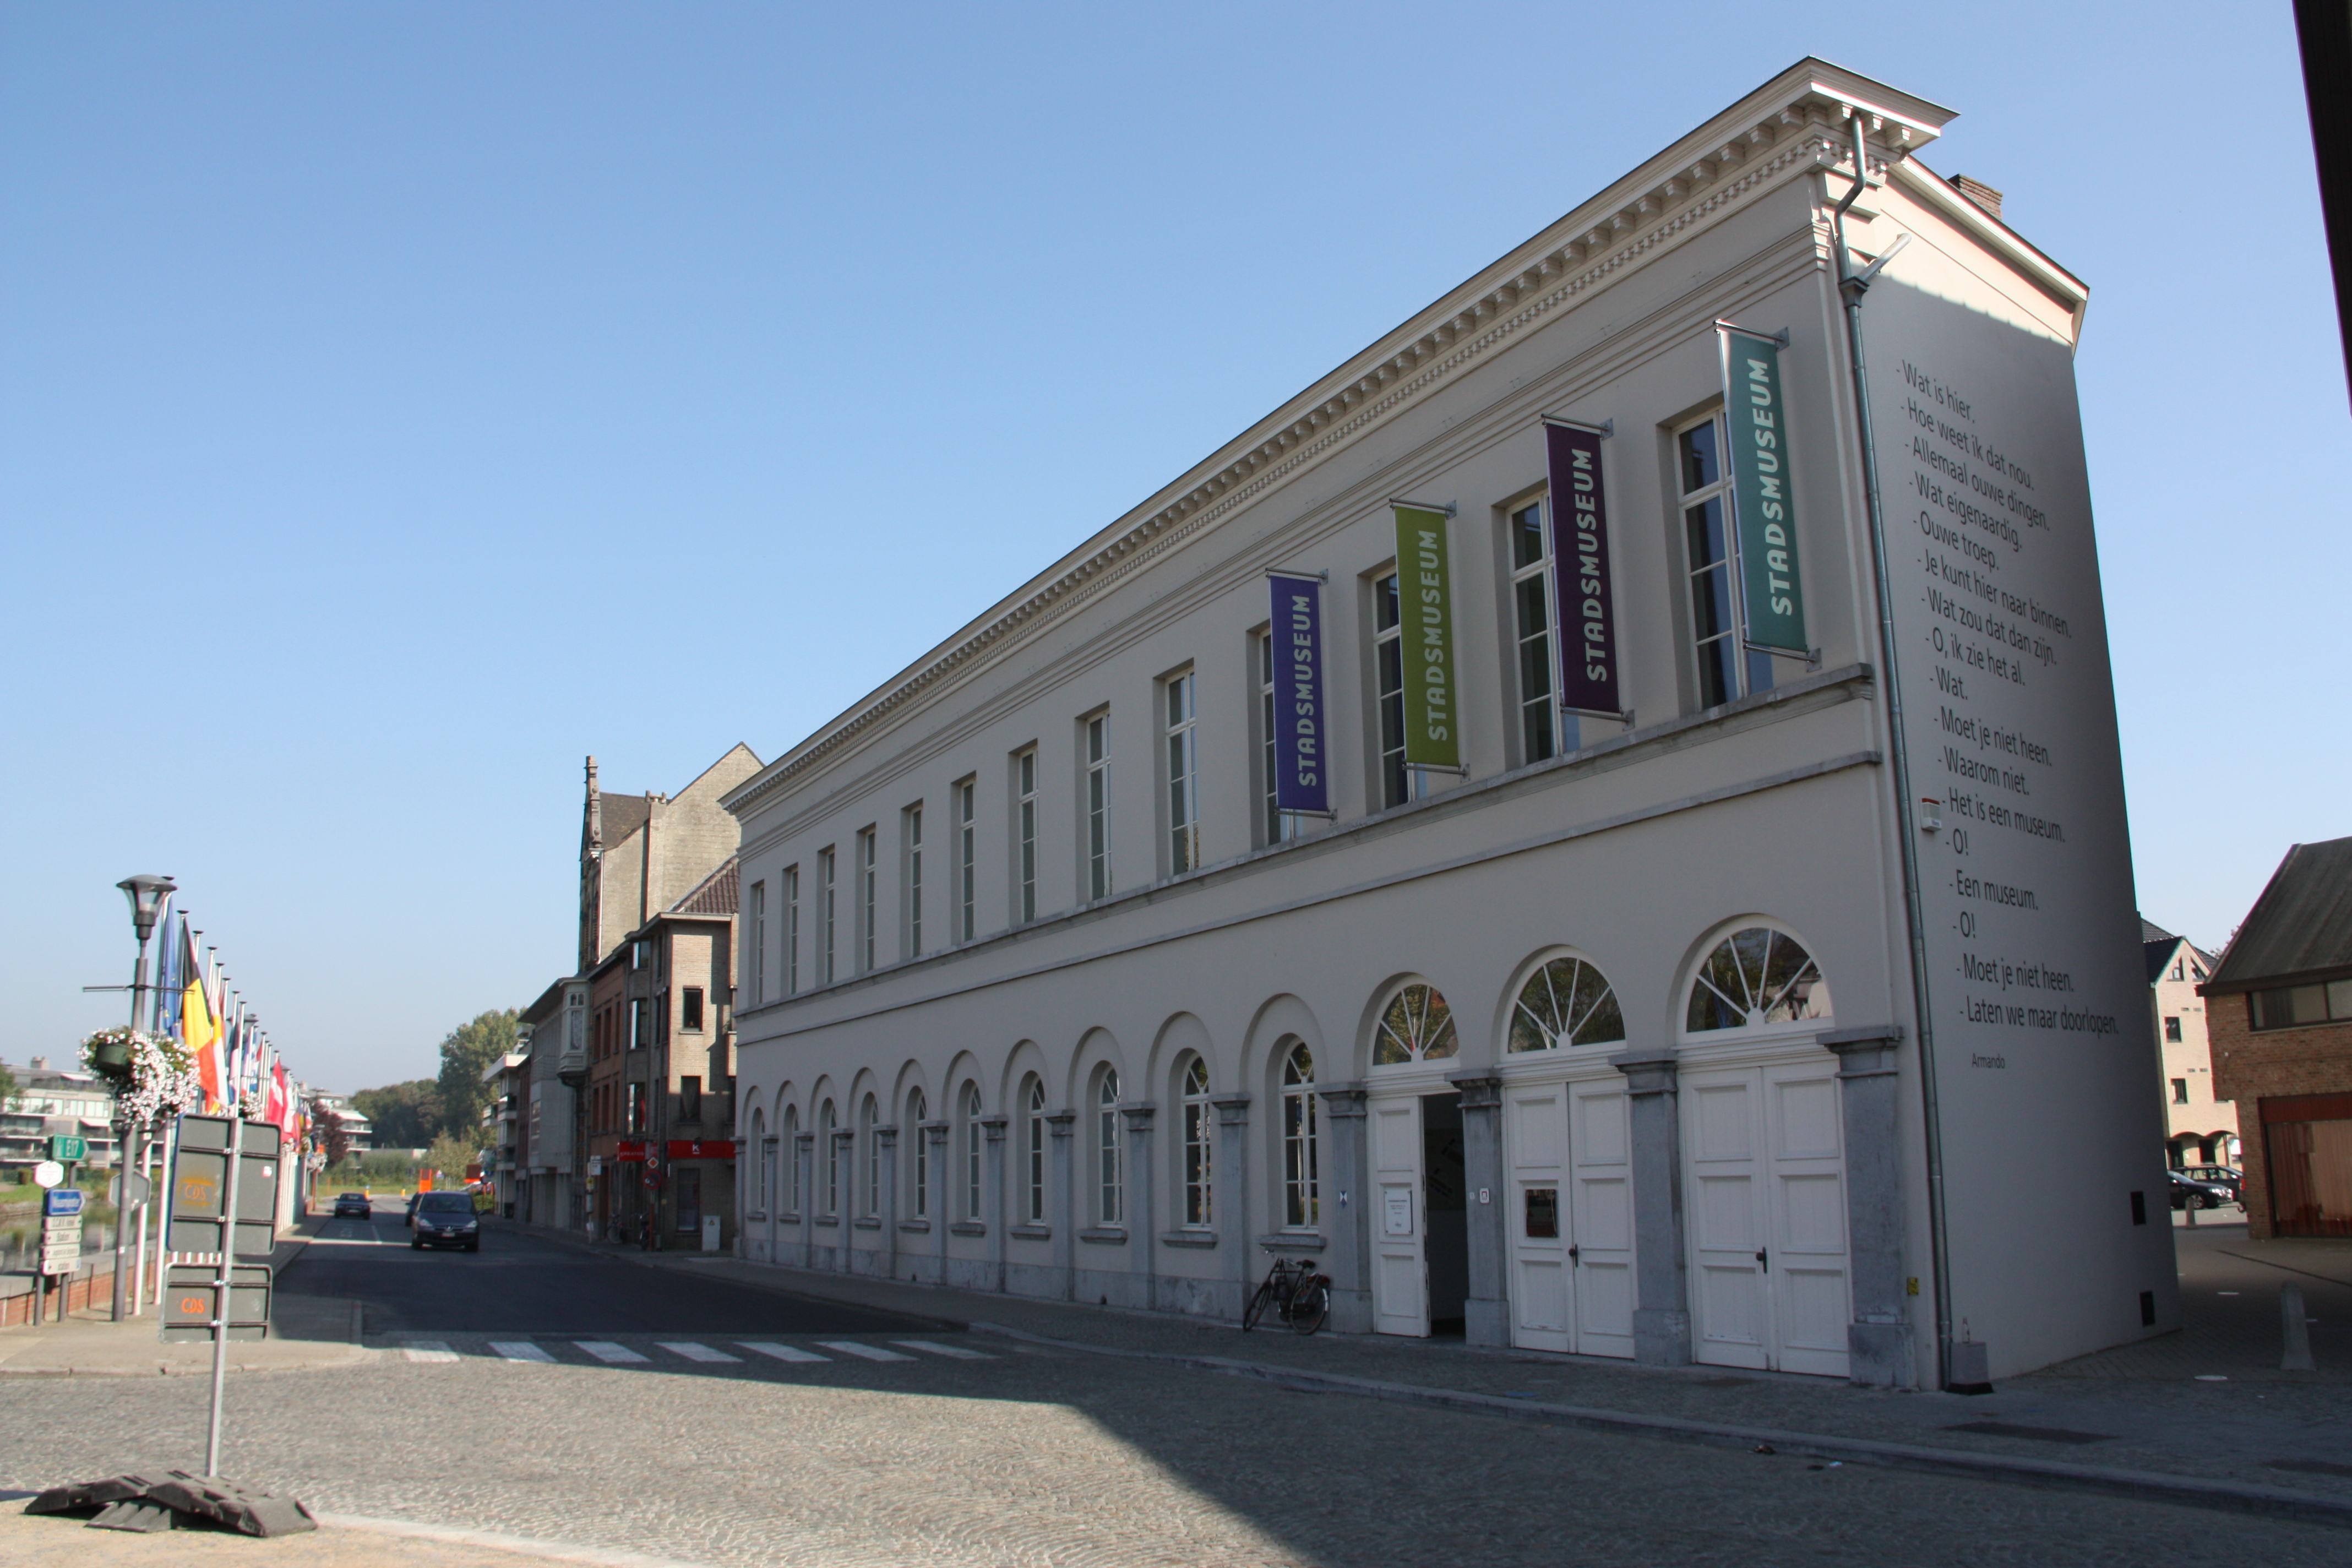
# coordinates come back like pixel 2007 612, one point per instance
pixel 1295 1292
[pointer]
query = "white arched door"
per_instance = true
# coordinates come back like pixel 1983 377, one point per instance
pixel 1570 1222
pixel 1400 1284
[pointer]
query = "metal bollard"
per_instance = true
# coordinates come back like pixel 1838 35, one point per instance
pixel 2297 1331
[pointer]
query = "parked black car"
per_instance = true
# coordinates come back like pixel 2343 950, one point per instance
pixel 2221 1176
pixel 2188 1194
pixel 354 1206
pixel 446 1219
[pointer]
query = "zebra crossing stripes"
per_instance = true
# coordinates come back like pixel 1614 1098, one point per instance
pixel 868 1352
pixel 782 1352
pixel 429 1350
pixel 693 1352
pixel 519 1351
pixel 612 1354
pixel 954 1352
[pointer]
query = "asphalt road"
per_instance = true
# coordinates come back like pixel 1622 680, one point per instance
pixel 523 1284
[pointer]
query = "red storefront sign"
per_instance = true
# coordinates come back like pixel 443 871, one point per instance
pixel 631 1153
pixel 701 1148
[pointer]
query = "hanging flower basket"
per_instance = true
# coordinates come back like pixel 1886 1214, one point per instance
pixel 151 1074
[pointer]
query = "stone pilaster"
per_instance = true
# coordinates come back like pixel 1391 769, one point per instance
pixel 1879 1349
pixel 1486 1312
pixel 1662 1325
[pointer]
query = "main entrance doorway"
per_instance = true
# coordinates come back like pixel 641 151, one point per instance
pixel 1420 1233
pixel 1570 1221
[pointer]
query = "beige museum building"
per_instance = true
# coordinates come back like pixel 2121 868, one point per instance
pixel 1607 1043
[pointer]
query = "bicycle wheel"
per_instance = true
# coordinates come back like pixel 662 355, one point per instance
pixel 1310 1308
pixel 1258 1303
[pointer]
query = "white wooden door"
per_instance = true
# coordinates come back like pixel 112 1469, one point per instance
pixel 1400 1287
pixel 1764 1190
pixel 1600 1211
pixel 1535 1139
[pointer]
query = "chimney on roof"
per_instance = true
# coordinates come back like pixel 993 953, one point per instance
pixel 595 824
pixel 1977 191
pixel 40 1064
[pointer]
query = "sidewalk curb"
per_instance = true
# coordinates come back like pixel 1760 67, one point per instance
pixel 2145 1486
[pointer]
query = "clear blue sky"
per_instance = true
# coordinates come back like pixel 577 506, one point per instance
pixel 392 397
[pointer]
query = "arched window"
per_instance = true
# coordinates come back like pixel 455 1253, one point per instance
pixel 1109 1178
pixel 1192 1085
pixel 1302 1197
pixel 791 1152
pixel 828 1151
pixel 764 1198
pixel 873 1146
pixel 969 1133
pixel 1565 1002
pixel 1033 1149
pixel 918 1112
pixel 1417 1025
pixel 1757 976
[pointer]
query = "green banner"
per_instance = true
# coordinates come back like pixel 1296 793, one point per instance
pixel 1767 511
pixel 1433 726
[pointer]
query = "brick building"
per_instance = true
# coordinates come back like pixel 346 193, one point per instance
pixel 2199 1127
pixel 2280 1018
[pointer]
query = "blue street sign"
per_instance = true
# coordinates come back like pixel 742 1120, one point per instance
pixel 62 1200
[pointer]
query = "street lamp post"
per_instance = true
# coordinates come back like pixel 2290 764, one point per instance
pixel 147 895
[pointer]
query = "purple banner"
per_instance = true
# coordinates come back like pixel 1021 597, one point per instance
pixel 1302 773
pixel 1579 548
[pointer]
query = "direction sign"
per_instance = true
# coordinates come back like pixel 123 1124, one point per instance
pixel 60 1262
pixel 62 1200
pixel 70 1147
pixel 62 1224
pixel 48 1173
pixel 130 1190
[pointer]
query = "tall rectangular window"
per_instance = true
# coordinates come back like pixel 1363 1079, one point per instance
pixel 1024 836
pixel 1398 783
pixel 1275 826
pixel 914 831
pixel 640 1025
pixel 637 1108
pixel 866 900
pixel 1726 670
pixel 755 936
pixel 1097 797
pixel 689 1098
pixel 1182 738
pixel 824 890
pixel 965 835
pixel 1532 613
pixel 690 1008
pixel 791 930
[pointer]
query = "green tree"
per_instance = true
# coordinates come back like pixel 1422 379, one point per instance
pixel 449 1156
pixel 466 1055
pixel 406 1115
pixel 7 1086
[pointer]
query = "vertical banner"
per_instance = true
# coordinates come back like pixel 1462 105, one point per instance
pixel 1432 733
pixel 1302 778
pixel 1775 599
pixel 1580 552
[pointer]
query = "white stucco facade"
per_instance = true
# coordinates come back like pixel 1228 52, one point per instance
pixel 1098 1092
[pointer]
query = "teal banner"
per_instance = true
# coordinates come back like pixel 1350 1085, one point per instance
pixel 1773 590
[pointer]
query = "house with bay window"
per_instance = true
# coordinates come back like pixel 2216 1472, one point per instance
pixel 1599 821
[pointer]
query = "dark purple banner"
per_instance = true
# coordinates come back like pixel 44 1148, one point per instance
pixel 1302 773
pixel 1579 548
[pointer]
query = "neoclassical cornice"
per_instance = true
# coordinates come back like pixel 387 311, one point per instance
pixel 1793 124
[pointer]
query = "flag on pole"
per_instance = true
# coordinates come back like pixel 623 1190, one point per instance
pixel 164 1015
pixel 198 1030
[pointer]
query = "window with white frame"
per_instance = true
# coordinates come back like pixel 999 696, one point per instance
pixel 1199 1135
pixel 792 1152
pixel 1183 748
pixel 1024 836
pixel 1032 1150
pixel 966 837
pixel 755 937
pixel 791 930
pixel 1726 669
pixel 1398 783
pixel 1534 615
pixel 865 898
pixel 1097 799
pixel 867 1121
pixel 920 1189
pixel 968 1135
pixel 914 892
pixel 824 907
pixel 829 1151
pixel 1302 1192
pixel 1276 825
pixel 1110 1184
